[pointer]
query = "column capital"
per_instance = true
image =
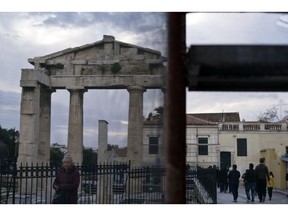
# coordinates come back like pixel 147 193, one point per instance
pixel 48 89
pixel 132 89
pixel 77 89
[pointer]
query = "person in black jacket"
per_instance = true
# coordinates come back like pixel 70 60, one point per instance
pixel 223 180
pixel 262 175
pixel 233 178
pixel 250 183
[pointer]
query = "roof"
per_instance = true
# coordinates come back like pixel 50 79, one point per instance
pixel 192 120
pixel 218 117
pixel 120 152
pixel 203 118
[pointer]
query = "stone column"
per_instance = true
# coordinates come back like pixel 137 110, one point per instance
pixel 29 125
pixel 102 141
pixel 135 124
pixel 75 127
pixel 44 125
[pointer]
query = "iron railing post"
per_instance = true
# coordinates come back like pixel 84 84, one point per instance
pixel 129 171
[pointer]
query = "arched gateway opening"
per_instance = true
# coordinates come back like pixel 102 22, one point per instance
pixel 105 64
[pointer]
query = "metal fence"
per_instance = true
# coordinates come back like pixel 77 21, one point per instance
pixel 102 184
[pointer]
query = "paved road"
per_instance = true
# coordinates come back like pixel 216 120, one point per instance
pixel 278 197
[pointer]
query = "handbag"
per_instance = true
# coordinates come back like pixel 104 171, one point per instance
pixel 59 197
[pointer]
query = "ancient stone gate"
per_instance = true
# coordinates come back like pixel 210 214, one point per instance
pixel 105 64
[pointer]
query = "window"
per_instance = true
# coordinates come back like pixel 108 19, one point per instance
pixel 202 146
pixel 241 147
pixel 153 145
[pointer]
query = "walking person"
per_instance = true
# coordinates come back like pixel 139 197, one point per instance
pixel 233 178
pixel 229 186
pixel 66 183
pixel 270 185
pixel 250 183
pixel 223 180
pixel 262 175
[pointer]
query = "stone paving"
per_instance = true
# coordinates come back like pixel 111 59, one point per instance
pixel 278 197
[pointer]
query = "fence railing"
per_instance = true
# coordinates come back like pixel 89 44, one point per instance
pixel 102 184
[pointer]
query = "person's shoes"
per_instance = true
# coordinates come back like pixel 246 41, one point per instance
pixel 235 200
pixel 252 201
pixel 248 201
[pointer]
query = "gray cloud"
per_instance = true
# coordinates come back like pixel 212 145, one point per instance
pixel 235 28
pixel 150 28
pixel 136 22
pixel 9 109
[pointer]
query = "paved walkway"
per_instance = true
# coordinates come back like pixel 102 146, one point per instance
pixel 278 197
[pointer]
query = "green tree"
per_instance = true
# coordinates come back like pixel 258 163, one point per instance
pixel 156 114
pixel 270 115
pixel 110 147
pixel 56 156
pixel 89 156
pixel 10 138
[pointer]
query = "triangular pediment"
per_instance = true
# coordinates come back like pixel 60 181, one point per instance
pixel 107 56
pixel 107 63
pixel 118 47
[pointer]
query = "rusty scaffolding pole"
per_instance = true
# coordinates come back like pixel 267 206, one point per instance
pixel 176 110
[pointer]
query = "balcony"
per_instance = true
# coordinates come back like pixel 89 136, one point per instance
pixel 250 126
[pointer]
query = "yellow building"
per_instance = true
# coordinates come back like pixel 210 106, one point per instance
pixel 221 139
pixel 247 142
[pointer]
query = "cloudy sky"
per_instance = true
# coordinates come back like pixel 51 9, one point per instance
pixel 237 28
pixel 27 35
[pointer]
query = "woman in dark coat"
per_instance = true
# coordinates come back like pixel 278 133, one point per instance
pixel 67 181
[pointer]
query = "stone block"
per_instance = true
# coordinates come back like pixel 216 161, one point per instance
pixel 138 57
pixel 110 61
pixel 129 51
pixel 108 38
pixel 28 107
pixel 94 62
pixel 28 83
pixel 108 47
pixel 27 74
pixel 153 61
pixel 78 62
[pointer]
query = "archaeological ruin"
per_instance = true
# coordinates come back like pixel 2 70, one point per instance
pixel 105 64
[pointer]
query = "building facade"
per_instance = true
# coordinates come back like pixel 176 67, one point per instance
pixel 221 139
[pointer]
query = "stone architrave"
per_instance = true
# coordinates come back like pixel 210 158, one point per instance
pixel 135 124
